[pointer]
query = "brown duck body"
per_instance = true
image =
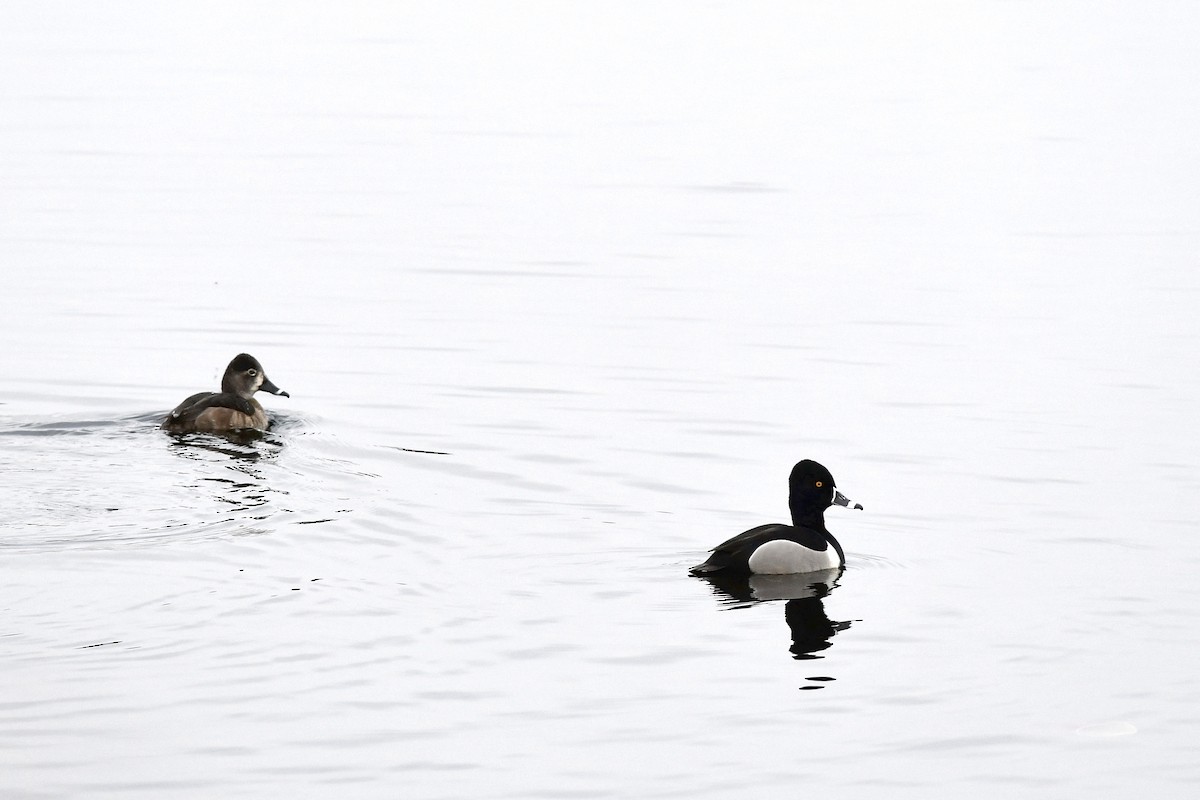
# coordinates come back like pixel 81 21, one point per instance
pixel 233 408
pixel 194 416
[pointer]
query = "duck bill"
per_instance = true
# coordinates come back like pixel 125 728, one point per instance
pixel 840 499
pixel 268 386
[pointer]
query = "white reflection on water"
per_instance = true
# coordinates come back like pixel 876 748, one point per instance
pixel 560 296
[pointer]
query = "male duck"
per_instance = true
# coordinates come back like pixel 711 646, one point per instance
pixel 803 546
pixel 233 408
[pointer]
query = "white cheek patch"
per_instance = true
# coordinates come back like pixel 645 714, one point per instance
pixel 783 557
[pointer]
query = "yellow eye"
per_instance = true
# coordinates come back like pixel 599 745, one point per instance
pixel 819 484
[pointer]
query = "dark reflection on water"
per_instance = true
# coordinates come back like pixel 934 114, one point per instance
pixel 811 628
pixel 244 453
pixel 235 444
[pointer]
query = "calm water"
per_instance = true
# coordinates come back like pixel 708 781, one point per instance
pixel 560 293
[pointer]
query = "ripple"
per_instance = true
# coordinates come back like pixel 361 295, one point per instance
pixel 868 561
pixel 117 482
pixel 1105 730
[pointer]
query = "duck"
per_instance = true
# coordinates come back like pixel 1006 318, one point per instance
pixel 233 408
pixel 775 549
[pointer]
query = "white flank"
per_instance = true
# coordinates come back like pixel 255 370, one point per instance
pixel 782 557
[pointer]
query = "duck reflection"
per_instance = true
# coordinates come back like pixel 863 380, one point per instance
pixel 804 610
pixel 238 482
pixel 243 444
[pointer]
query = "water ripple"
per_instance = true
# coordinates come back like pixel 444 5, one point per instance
pixel 119 482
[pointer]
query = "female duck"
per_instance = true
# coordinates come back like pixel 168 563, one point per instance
pixel 803 546
pixel 233 408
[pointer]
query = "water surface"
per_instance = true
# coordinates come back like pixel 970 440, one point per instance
pixel 560 296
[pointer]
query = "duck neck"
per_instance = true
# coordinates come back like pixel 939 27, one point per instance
pixel 231 387
pixel 809 518
pixel 815 520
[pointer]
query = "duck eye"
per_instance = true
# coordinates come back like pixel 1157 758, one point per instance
pixel 252 372
pixel 819 484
